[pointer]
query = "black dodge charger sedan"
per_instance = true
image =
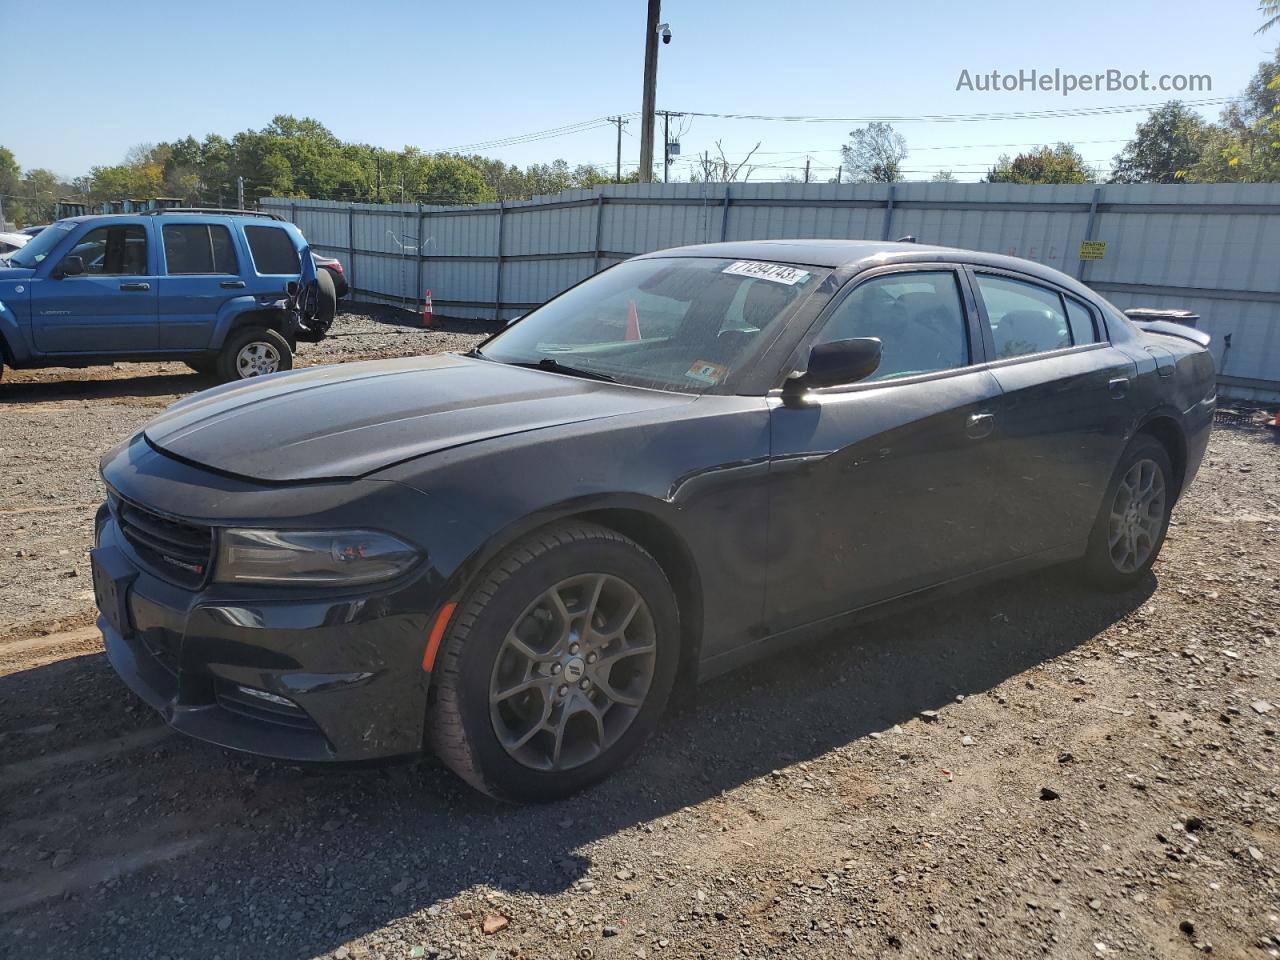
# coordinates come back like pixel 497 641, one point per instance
pixel 512 556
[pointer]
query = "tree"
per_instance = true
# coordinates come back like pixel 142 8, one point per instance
pixel 1060 164
pixel 10 177
pixel 874 154
pixel 721 169
pixel 1244 145
pixel 944 176
pixel 1164 149
pixel 1271 10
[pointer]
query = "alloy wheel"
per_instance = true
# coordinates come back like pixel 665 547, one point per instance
pixel 257 358
pixel 573 672
pixel 1137 516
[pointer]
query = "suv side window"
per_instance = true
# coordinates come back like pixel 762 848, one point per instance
pixel 196 248
pixel 1025 318
pixel 917 316
pixel 118 251
pixel 273 250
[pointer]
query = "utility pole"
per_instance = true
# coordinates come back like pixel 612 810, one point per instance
pixel 666 144
pixel 618 121
pixel 806 169
pixel 239 193
pixel 650 90
pixel 839 171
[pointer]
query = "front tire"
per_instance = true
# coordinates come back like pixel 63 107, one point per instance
pixel 557 666
pixel 1134 517
pixel 254 352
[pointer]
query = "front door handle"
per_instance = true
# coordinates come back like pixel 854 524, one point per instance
pixel 135 286
pixel 980 425
pixel 232 284
pixel 1118 388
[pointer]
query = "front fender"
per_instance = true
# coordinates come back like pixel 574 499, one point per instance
pixel 235 313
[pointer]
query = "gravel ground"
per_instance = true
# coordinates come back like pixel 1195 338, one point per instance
pixel 1029 770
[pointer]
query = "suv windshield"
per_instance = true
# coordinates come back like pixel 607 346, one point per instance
pixel 40 246
pixel 681 324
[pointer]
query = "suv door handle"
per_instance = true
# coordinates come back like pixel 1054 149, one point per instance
pixel 1118 387
pixel 135 286
pixel 232 284
pixel 980 425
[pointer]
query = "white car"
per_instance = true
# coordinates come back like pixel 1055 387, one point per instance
pixel 10 242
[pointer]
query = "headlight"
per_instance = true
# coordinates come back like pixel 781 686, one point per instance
pixel 340 557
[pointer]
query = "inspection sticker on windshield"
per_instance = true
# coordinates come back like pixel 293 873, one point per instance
pixel 706 372
pixel 768 271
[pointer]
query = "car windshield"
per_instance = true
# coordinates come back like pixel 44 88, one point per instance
pixel 41 245
pixel 684 324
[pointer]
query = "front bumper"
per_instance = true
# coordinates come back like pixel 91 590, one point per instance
pixel 303 678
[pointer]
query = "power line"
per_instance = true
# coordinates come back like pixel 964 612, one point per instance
pixel 966 117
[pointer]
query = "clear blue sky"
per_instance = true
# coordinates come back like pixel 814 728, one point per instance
pixel 104 77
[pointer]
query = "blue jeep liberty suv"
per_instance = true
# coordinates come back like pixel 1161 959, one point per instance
pixel 231 293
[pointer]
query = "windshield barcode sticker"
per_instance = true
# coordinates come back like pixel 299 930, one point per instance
pixel 768 271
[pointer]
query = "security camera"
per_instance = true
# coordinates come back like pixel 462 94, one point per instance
pixel 665 30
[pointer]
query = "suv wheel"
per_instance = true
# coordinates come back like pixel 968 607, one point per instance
pixel 557 666
pixel 1131 525
pixel 254 352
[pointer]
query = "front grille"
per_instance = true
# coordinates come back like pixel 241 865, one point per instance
pixel 178 551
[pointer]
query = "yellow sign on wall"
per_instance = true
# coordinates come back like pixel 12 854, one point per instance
pixel 1093 249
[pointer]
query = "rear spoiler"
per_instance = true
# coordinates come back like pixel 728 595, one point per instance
pixel 1169 322
pixel 1168 329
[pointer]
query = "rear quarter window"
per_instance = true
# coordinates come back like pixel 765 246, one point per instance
pixel 272 249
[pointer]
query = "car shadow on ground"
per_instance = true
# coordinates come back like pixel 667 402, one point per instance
pixel 87 386
pixel 310 858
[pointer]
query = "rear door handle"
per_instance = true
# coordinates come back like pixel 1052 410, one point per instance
pixel 980 425
pixel 135 286
pixel 1118 387
pixel 232 284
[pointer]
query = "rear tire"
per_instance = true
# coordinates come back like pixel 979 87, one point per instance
pixel 557 666
pixel 253 352
pixel 1134 517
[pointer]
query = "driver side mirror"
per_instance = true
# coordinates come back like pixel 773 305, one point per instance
pixel 70 266
pixel 832 364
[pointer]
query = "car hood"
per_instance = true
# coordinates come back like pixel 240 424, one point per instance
pixel 354 418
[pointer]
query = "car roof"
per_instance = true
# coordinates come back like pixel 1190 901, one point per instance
pixel 857 255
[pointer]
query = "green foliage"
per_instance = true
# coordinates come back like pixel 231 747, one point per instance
pixel 1165 147
pixel 1060 164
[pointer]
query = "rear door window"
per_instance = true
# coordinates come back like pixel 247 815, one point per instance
pixel 273 250
pixel 1083 327
pixel 198 248
pixel 1025 318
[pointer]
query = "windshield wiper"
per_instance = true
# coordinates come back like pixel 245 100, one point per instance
pixel 554 365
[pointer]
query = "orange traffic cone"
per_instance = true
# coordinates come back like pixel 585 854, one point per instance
pixel 633 322
pixel 428 312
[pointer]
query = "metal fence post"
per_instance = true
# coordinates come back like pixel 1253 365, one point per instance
pixel 351 246
pixel 595 261
pixel 888 212
pixel 1088 230
pixel 420 251
pixel 497 286
pixel 724 215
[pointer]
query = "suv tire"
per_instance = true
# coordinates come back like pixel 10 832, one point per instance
pixel 596 636
pixel 252 352
pixel 1134 517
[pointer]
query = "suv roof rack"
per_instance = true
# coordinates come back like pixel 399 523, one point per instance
pixel 222 211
